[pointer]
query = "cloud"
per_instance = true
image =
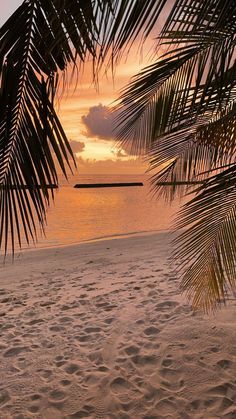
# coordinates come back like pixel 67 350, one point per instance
pixel 77 146
pixel 100 122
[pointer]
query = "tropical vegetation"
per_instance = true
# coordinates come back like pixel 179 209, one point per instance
pixel 37 43
pixel 179 111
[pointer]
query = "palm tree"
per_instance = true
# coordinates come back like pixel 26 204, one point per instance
pixel 37 44
pixel 181 110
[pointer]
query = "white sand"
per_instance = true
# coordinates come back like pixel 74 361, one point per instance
pixel 99 330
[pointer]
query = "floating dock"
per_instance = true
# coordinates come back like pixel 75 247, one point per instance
pixel 107 185
pixel 26 187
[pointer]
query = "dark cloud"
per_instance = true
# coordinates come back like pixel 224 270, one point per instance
pixel 100 122
pixel 77 146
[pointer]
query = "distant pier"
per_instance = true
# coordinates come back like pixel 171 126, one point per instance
pixel 107 185
pixel 26 187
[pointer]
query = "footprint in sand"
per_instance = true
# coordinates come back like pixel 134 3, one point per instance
pixel 57 328
pixel 60 363
pixel 65 382
pixel 35 396
pixel 166 407
pixel 132 350
pixel 140 321
pixel 120 385
pixel 16 351
pixel 166 305
pixel 225 363
pixel 166 362
pixel 225 389
pixel 34 408
pixel 47 304
pixel 144 360
pixel 46 374
pixel 102 368
pixel 109 320
pixel 3 292
pixel 4 397
pixel 150 331
pixel 92 329
pixel 83 338
pixel 34 322
pixel 71 368
pixel 195 404
pixel 57 395
pixel 47 344
pixel 169 373
pixel 65 307
pixel 87 411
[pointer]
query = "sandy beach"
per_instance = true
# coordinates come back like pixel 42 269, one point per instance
pixel 100 330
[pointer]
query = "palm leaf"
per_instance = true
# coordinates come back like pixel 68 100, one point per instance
pixel 181 111
pixel 169 94
pixel 195 77
pixel 37 42
pixel 188 156
pixel 206 248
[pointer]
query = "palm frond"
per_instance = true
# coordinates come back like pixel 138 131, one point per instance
pixel 39 39
pixel 194 77
pixel 37 42
pixel 206 249
pixel 181 111
pixel 195 16
pixel 173 106
pixel 175 91
pixel 128 20
pixel 188 156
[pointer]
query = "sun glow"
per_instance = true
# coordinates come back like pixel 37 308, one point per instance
pixel 80 97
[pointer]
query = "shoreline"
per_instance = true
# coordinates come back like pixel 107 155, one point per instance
pixel 68 253
pixel 93 240
pixel 101 330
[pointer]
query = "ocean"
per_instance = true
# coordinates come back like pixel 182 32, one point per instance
pixel 79 215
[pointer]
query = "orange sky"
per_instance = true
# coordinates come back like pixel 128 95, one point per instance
pixel 98 153
pixel 95 154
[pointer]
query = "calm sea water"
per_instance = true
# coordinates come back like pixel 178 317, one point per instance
pixel 79 215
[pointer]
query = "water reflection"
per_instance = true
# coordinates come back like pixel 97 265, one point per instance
pixel 85 214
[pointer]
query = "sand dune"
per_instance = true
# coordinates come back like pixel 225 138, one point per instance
pixel 100 330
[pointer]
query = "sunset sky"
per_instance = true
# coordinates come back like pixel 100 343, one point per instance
pixel 83 113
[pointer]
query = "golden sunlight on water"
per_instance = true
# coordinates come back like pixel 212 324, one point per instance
pixel 89 214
